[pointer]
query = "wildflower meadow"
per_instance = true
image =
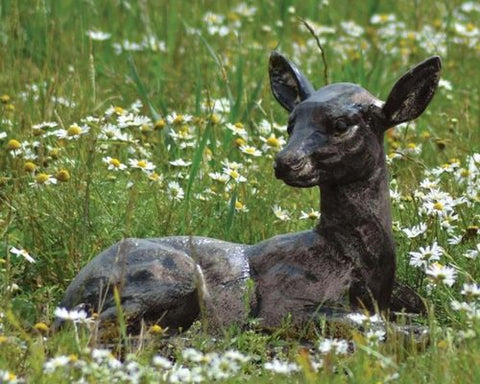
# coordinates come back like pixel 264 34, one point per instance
pixel 151 118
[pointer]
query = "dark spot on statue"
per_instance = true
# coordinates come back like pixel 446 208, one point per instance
pixel 310 276
pixel 142 275
pixel 169 263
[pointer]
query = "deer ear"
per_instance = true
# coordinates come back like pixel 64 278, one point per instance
pixel 289 85
pixel 412 93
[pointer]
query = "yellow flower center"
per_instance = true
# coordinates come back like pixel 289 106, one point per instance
pixel 29 166
pixel 178 119
pixel 13 145
pixel 53 153
pixel 160 124
pixel 73 358
pixel 239 142
pixel 115 162
pixel 4 99
pixel 183 131
pixel 425 135
pixel 238 205
pixel 156 329
pixel 238 125
pixel 272 141
pixel 119 110
pixel 214 119
pixel 470 27
pixel 313 215
pixel 42 327
pixel 250 150
pixel 154 176
pixel 63 175
pixel 438 206
pixel 74 130
pixel 384 17
pixel 142 163
pixel 233 174
pixel 42 178
pixel 411 146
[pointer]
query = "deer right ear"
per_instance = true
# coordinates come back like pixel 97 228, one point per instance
pixel 289 85
pixel 412 93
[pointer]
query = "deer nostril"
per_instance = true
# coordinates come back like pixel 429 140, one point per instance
pixel 283 163
pixel 297 164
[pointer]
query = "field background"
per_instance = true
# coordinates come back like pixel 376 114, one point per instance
pixel 70 120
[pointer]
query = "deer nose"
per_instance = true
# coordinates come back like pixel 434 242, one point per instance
pixel 288 162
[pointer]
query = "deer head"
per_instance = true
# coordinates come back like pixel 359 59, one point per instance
pixel 336 132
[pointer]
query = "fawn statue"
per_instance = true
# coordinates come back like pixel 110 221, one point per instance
pixel 347 261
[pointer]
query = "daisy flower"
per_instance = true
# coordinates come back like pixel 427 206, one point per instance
pixel 43 179
pixel 273 142
pixel 426 255
pixel 238 129
pixel 415 231
pixel 114 164
pixel 98 35
pixel 240 207
pixel 73 132
pixel 22 252
pixel 76 316
pixel 234 175
pixel 338 346
pixel 161 362
pixel 143 165
pixel 281 367
pixel 249 150
pixel 312 215
pixel 472 253
pixel 112 132
pixel 220 177
pixel 177 119
pixel 442 274
pixel 180 163
pixel 280 213
pixel 375 336
pixel 175 191
pixel 265 127
pixel 471 290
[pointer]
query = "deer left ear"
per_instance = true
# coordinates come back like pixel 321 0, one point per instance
pixel 289 85
pixel 412 93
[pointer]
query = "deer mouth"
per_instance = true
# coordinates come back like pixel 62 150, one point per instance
pixel 302 178
pixel 302 183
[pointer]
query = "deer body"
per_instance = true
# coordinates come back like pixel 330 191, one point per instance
pixel 347 261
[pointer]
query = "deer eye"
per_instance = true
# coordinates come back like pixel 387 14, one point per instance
pixel 341 126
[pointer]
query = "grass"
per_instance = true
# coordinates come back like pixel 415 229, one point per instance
pixel 209 60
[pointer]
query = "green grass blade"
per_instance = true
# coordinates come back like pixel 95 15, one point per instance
pixel 142 92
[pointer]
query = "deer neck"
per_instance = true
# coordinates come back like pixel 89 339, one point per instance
pixel 349 206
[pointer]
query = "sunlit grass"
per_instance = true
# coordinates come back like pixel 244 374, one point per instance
pixel 150 119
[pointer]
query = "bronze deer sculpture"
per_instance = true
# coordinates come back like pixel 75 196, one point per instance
pixel 346 262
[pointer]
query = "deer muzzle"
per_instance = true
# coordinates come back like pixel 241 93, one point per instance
pixel 288 163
